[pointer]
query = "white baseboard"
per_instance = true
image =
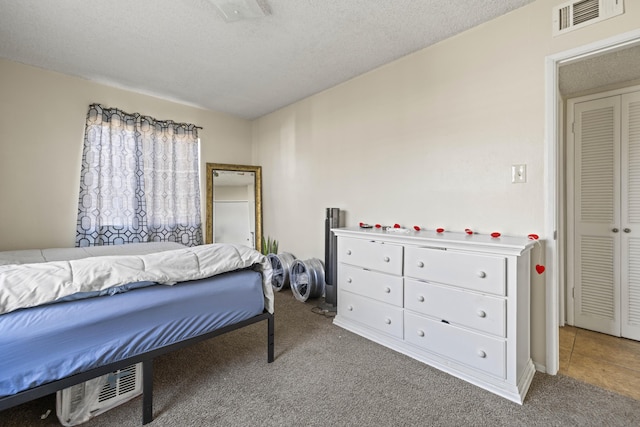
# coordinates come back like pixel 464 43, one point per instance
pixel 540 368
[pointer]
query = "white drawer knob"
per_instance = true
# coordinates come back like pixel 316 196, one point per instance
pixel 348 251
pixel 349 280
pixel 482 274
pixel 387 321
pixel 420 264
pixel 387 259
pixel 387 290
pixel 420 333
pixel 421 298
pixel 481 313
pixel 482 354
pixel 350 308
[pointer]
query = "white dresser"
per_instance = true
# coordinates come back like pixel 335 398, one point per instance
pixel 457 302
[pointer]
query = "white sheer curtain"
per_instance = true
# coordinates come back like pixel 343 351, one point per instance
pixel 139 180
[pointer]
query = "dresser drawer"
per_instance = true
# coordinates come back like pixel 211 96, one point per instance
pixel 482 312
pixel 472 349
pixel 371 254
pixel 374 314
pixel 481 273
pixel 379 286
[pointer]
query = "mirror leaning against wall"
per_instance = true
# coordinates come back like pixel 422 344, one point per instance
pixel 234 204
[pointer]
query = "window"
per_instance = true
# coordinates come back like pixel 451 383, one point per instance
pixel 139 180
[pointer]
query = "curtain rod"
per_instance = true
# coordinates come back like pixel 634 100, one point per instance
pixel 143 115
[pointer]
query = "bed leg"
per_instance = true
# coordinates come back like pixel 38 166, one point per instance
pixel 147 391
pixel 271 340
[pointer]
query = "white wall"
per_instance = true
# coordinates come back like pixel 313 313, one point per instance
pixel 42 117
pixel 427 140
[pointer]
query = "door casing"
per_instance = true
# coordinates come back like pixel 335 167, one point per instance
pixel 555 230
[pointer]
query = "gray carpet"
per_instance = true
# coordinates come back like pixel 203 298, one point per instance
pixel 326 376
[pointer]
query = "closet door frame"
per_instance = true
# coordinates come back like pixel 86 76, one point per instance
pixel 630 218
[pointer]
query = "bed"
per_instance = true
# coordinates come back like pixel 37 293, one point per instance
pixel 70 315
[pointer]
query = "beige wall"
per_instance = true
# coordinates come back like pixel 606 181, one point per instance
pixel 42 116
pixel 232 193
pixel 427 140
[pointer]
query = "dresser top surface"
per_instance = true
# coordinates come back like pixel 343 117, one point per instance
pixel 482 242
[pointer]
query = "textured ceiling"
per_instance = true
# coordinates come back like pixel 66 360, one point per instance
pixel 183 50
pixel 611 68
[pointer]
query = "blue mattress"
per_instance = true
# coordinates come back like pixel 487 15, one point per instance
pixel 42 344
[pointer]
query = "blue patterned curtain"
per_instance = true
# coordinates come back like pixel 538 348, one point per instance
pixel 139 181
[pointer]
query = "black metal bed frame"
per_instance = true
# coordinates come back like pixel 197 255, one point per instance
pixel 147 368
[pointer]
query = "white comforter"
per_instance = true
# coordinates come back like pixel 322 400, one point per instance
pixel 29 285
pixel 32 256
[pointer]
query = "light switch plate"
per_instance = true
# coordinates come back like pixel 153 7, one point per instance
pixel 518 174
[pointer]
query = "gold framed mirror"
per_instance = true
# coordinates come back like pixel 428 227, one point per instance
pixel 234 204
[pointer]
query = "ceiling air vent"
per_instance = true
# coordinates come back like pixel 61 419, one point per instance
pixel 577 14
pixel 237 10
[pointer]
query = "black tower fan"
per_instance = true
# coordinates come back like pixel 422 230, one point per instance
pixel 332 220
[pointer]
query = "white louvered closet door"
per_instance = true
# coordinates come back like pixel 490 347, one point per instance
pixel 596 246
pixel 606 239
pixel 630 237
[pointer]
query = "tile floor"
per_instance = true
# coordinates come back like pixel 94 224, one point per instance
pixel 603 360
